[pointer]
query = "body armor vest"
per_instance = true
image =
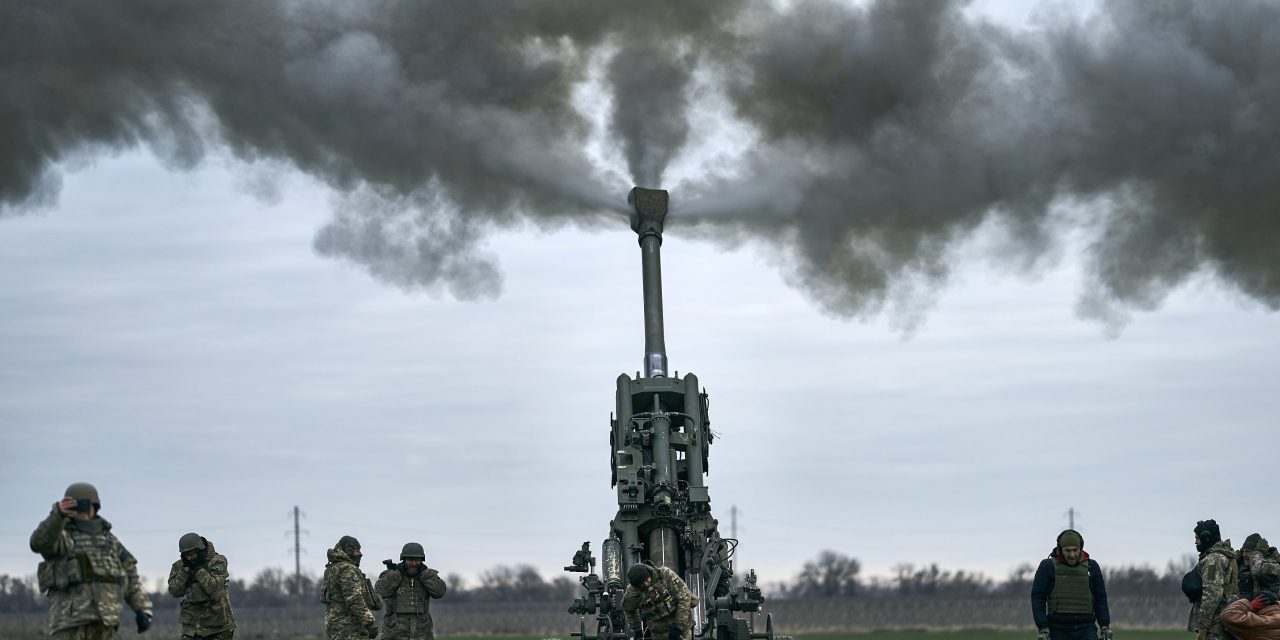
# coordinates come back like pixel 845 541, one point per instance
pixel 656 602
pixel 411 595
pixel 1072 592
pixel 1245 580
pixel 93 558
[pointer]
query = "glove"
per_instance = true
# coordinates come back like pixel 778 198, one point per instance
pixel 674 633
pixel 1105 633
pixel 373 630
pixel 1043 635
pixel 1264 599
pixel 143 619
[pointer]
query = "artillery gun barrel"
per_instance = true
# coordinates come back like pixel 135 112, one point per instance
pixel 649 212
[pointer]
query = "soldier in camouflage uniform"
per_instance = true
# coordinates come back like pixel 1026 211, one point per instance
pixel 86 571
pixel 660 601
pixel 199 577
pixel 348 595
pixel 1264 564
pixel 1218 586
pixel 408 589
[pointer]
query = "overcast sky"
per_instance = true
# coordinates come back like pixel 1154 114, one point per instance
pixel 178 335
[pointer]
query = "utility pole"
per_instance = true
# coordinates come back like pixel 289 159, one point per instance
pixel 297 552
pixel 1071 518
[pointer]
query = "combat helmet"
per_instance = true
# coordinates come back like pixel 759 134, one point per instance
pixel 413 550
pixel 348 544
pixel 84 491
pixel 638 573
pixel 190 542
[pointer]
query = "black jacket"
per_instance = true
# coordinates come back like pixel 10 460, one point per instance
pixel 1043 584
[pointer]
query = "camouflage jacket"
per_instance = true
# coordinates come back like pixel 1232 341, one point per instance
pixel 666 603
pixel 409 595
pixel 349 599
pixel 1265 566
pixel 85 572
pixel 206 608
pixel 1217 569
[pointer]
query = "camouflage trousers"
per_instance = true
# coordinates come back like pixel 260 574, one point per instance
pixel 221 635
pixel 93 631
pixel 407 627
pixel 1216 632
pixel 347 631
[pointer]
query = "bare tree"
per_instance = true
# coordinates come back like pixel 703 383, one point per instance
pixel 830 574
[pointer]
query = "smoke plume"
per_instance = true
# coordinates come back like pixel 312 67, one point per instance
pixel 882 134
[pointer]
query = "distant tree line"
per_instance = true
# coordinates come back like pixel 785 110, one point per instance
pixel 832 574
pixel 829 575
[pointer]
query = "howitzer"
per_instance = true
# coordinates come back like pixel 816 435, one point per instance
pixel 659 441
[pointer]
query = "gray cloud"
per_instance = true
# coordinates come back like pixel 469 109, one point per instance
pixel 887 133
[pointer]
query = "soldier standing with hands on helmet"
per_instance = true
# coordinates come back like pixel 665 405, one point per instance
pixel 86 570
pixel 408 589
pixel 199 577
pixel 348 596
pixel 660 601
pixel 1263 562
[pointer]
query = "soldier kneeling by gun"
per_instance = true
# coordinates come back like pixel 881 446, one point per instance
pixel 408 589
pixel 660 601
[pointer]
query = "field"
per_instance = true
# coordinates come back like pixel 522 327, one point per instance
pixel 1134 618
pixel 1144 634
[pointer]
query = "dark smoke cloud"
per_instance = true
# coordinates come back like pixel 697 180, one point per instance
pixel 891 132
pixel 885 133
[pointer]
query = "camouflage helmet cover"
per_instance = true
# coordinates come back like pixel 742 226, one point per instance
pixel 190 542
pixel 638 573
pixel 412 550
pixel 84 491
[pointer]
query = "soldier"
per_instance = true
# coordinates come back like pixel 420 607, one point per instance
pixel 1256 619
pixel 1068 595
pixel 1264 565
pixel 408 589
pixel 657 598
pixel 86 570
pixel 1216 574
pixel 348 595
pixel 199 577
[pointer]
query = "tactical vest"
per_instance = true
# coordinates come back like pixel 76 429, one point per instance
pixel 1245 581
pixel 410 596
pixel 1072 591
pixel 94 557
pixel 656 602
